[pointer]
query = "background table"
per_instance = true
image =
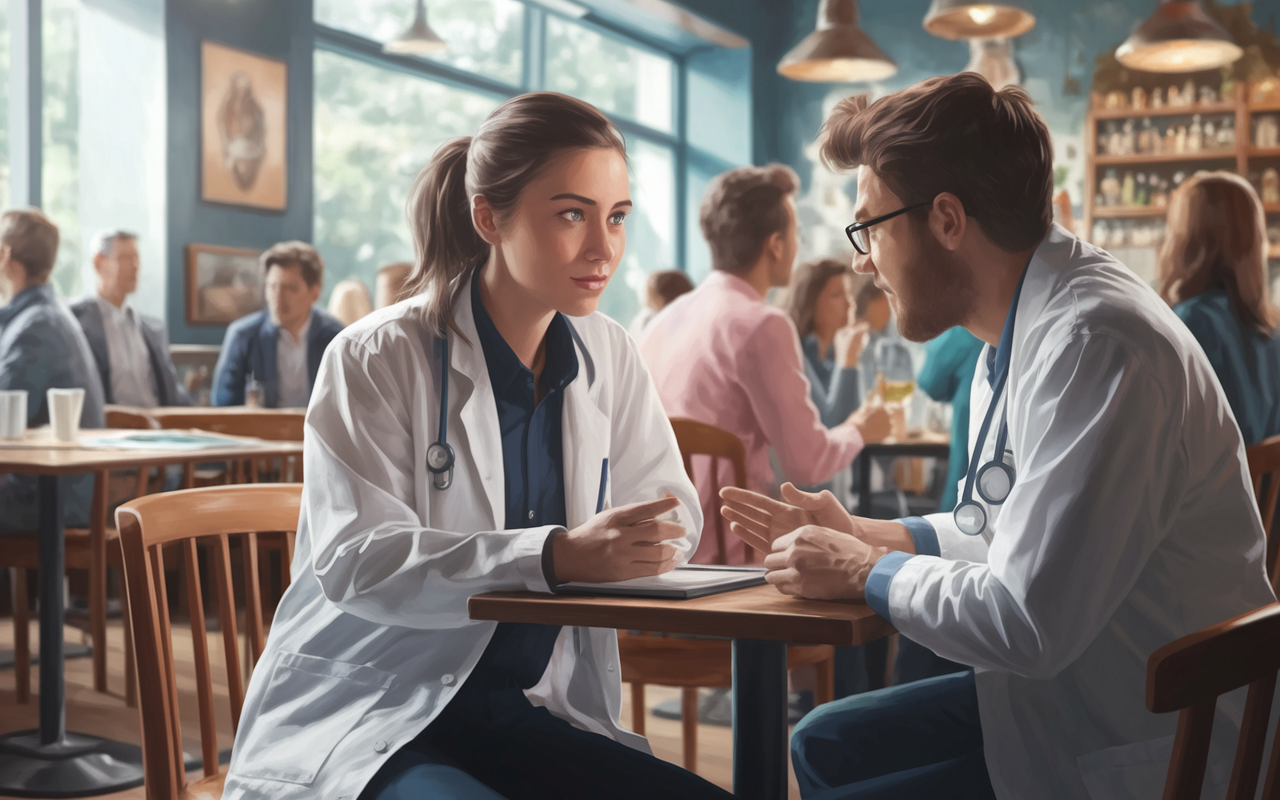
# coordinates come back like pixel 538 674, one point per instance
pixel 926 445
pixel 50 762
pixel 760 620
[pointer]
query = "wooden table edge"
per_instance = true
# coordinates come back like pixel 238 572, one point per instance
pixel 847 624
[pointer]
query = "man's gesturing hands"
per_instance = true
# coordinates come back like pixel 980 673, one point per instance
pixel 620 543
pixel 814 548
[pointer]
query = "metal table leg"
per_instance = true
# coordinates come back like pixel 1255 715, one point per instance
pixel 863 462
pixel 50 762
pixel 759 719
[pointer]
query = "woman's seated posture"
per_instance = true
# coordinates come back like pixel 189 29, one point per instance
pixel 1213 271
pixel 818 302
pixel 463 441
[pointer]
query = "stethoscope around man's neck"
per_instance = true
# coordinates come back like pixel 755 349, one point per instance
pixel 993 480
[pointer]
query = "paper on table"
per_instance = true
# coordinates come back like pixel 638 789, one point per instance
pixel 165 440
pixel 682 583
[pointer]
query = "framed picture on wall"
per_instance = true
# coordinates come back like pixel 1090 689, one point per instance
pixel 243 115
pixel 223 284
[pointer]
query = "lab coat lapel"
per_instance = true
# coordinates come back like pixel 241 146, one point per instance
pixel 471 393
pixel 585 442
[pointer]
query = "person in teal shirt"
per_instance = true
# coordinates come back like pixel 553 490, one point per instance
pixel 946 376
pixel 1213 268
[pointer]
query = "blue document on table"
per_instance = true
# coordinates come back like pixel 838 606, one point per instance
pixel 682 583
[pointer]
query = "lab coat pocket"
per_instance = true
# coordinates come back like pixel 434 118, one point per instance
pixel 309 705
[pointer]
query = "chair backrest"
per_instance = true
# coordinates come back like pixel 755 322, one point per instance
pixel 217 515
pixel 700 439
pixel 129 417
pixel 275 426
pixel 1264 469
pixel 1189 674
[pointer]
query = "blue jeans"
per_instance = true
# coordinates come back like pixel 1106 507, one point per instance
pixel 921 740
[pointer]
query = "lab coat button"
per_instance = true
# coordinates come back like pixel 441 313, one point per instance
pixel 531 513
pixel 380 746
pixel 447 679
pixel 610 667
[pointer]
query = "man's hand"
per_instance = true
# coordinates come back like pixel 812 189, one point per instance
pixel 620 543
pixel 759 520
pixel 822 564
pixel 872 420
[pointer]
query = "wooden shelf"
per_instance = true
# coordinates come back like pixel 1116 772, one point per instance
pixel 1129 212
pixel 1273 251
pixel 1264 152
pixel 1166 158
pixel 1167 111
pixel 1264 108
pixel 1271 208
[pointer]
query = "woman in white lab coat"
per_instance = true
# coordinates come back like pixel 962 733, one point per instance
pixel 375 682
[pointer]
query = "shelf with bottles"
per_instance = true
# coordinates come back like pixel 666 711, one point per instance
pixel 1110 234
pixel 1180 137
pixel 1188 97
pixel 1267 183
pixel 1135 193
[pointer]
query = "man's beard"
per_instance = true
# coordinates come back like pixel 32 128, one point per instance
pixel 937 292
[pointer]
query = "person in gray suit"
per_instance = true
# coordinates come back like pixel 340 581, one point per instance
pixel 41 348
pixel 130 349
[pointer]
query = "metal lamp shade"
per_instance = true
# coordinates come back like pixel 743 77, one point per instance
pixel 966 19
pixel 419 39
pixel 838 51
pixel 1179 37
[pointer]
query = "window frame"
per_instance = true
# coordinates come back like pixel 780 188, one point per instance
pixel 533 78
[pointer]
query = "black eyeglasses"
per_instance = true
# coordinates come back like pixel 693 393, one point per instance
pixel 857 232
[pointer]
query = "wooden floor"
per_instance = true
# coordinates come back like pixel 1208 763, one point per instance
pixel 107 715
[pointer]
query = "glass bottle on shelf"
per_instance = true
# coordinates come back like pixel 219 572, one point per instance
pixel 1157 98
pixel 1227 134
pixel 1141 196
pixel 1170 140
pixel 1105 147
pixel 1189 93
pixel 1110 189
pixel 1128 144
pixel 1159 190
pixel 1127 190
pixel 1145 138
pixel 1195 137
pixel 1180 141
pixel 1210 134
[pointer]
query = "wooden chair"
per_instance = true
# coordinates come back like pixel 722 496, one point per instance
pixel 1264 468
pixel 1188 675
pixel 695 663
pixel 178 520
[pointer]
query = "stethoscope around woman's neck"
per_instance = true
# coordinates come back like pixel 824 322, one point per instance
pixel 440 457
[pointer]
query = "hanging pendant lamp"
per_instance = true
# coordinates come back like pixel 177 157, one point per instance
pixel 838 51
pixel 419 39
pixel 966 19
pixel 1179 37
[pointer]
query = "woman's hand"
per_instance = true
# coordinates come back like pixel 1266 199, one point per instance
pixel 849 342
pixel 620 543
pixel 873 421
pixel 760 521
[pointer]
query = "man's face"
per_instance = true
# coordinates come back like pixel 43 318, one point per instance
pixel 289 298
pixel 928 286
pixel 118 271
pixel 780 275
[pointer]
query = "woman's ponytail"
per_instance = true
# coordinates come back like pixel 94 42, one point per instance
pixel 446 245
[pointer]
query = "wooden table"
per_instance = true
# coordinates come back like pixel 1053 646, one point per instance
pixel 924 445
pixel 50 762
pixel 761 622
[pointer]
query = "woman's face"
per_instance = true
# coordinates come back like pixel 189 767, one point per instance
pixel 563 240
pixel 832 309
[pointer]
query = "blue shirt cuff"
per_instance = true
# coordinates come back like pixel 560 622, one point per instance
pixel 881 576
pixel 923 535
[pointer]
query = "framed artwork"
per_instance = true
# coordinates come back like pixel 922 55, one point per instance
pixel 223 284
pixel 243 113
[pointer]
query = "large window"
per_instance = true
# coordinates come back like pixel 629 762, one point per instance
pixel 60 182
pixel 378 119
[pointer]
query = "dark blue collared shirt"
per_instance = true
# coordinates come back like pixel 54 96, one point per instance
pixel 533 465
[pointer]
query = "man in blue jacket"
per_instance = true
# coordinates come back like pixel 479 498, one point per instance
pixel 41 348
pixel 130 349
pixel 280 346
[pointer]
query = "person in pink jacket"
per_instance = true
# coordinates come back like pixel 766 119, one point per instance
pixel 723 356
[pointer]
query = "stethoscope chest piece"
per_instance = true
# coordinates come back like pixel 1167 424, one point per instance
pixel 440 464
pixel 970 518
pixel 995 481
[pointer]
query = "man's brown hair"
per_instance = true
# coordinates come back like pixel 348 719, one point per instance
pixel 956 134
pixel 742 209
pixel 32 241
pixel 299 254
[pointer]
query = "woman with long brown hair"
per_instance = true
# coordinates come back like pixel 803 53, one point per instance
pixel 1213 271
pixel 492 432
pixel 818 303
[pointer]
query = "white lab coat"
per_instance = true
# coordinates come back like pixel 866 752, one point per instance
pixel 1132 523
pixel 372 638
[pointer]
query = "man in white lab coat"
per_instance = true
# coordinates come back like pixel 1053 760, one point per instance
pixel 1119 517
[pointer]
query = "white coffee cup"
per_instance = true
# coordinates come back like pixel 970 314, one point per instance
pixel 13 413
pixel 65 406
